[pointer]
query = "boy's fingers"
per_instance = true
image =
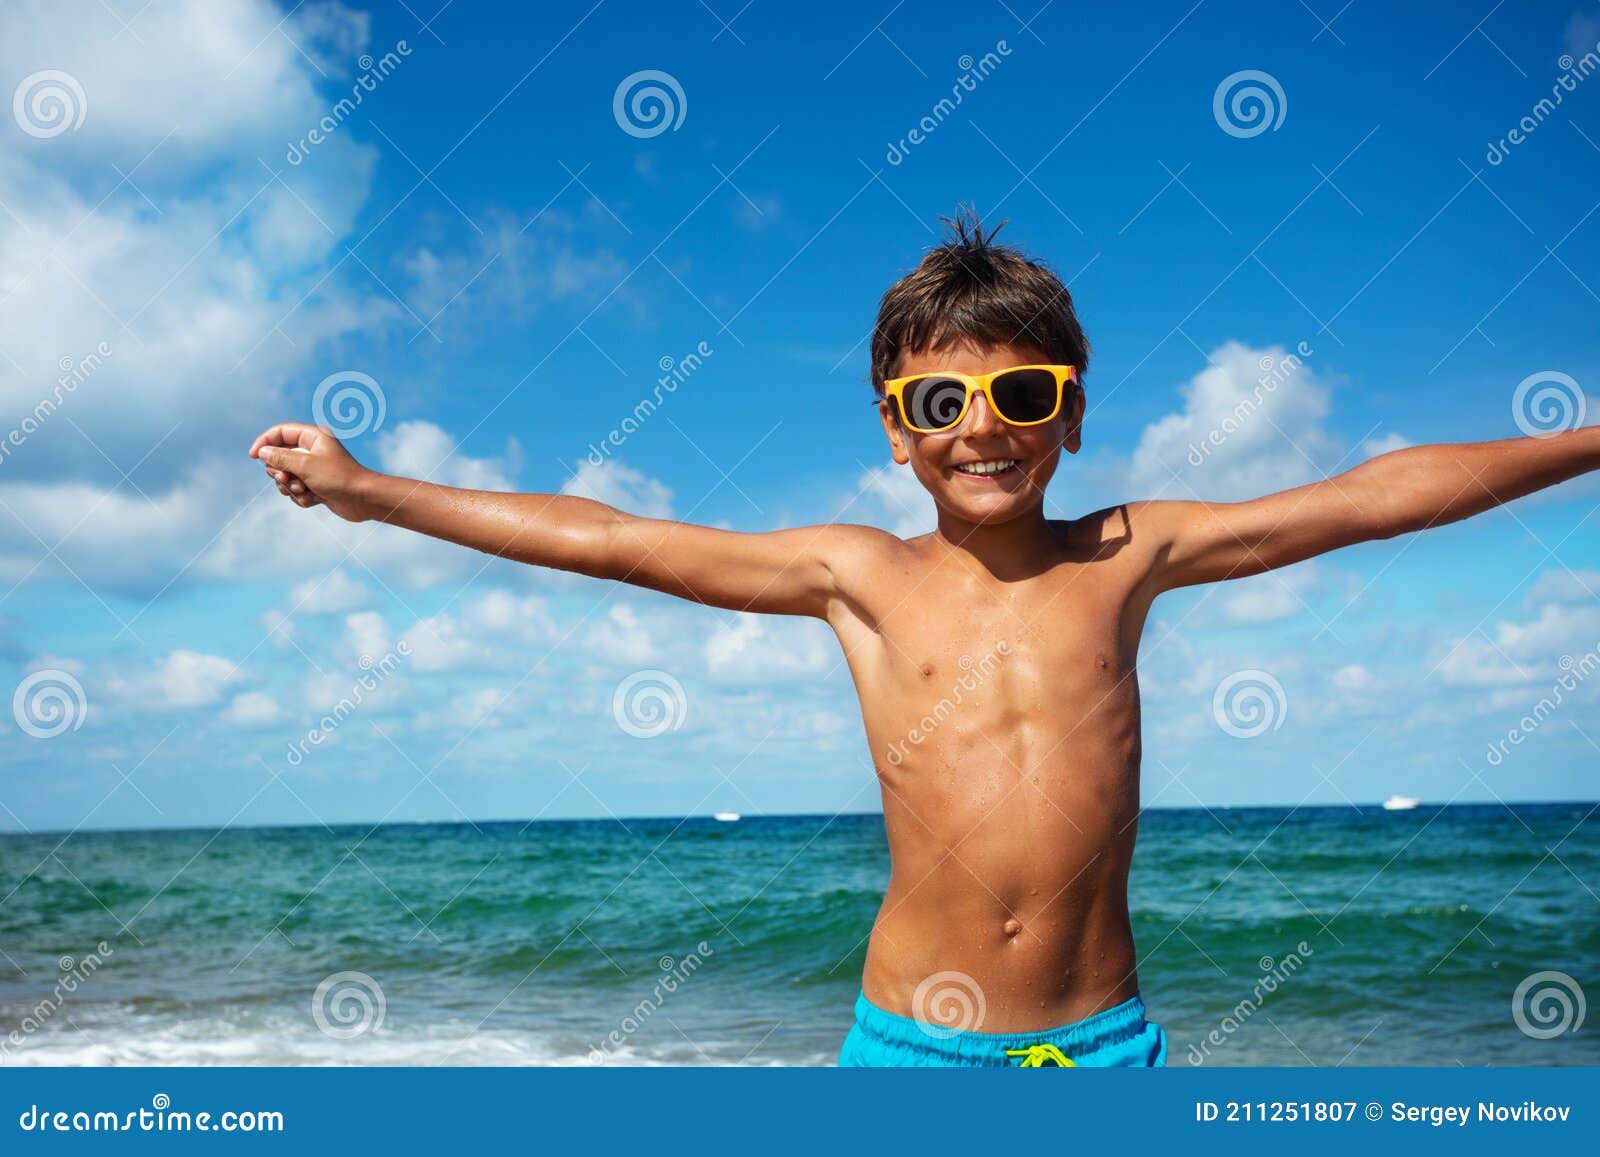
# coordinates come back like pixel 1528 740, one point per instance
pixel 288 434
pixel 282 457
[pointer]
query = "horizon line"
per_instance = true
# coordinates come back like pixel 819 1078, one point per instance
pixel 743 816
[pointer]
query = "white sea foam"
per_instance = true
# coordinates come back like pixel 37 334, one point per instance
pixel 216 1042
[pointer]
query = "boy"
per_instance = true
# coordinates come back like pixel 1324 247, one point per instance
pixel 1004 936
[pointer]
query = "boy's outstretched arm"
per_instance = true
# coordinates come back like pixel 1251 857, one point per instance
pixel 782 572
pixel 1394 493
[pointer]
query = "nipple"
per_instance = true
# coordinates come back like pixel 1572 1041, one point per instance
pixel 1011 927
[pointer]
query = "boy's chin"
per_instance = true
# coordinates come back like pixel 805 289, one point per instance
pixel 994 511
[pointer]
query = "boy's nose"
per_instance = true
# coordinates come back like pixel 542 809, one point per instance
pixel 982 421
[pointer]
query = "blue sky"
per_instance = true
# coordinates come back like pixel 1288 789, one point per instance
pixel 483 239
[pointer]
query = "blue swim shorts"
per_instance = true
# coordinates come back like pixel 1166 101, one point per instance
pixel 1120 1036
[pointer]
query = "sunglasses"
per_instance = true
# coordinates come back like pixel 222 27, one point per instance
pixel 1019 396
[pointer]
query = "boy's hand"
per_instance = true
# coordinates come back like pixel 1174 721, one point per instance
pixel 312 468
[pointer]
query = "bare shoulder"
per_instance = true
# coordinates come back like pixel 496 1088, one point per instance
pixel 848 547
pixel 1135 527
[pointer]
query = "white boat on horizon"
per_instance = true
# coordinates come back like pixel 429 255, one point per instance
pixel 1400 803
pixel 725 817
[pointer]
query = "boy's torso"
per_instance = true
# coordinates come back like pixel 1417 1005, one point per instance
pixel 1003 716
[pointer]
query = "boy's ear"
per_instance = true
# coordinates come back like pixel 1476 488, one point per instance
pixel 897 436
pixel 1074 403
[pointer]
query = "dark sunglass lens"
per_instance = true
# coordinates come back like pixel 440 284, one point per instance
pixel 1025 395
pixel 934 403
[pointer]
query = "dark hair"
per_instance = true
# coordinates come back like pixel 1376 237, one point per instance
pixel 970 291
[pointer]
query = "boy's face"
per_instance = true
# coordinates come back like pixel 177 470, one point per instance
pixel 939 459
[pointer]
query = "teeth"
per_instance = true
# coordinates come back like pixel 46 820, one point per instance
pixel 991 467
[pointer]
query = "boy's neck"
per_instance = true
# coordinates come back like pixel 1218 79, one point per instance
pixel 1006 550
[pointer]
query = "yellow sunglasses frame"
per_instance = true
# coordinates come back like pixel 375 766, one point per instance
pixel 894 391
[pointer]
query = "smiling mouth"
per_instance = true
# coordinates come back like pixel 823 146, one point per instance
pixel 989 468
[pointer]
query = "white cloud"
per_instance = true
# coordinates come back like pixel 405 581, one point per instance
pixel 621 637
pixel 1268 597
pixel 1561 585
pixel 1252 424
pixel 897 502
pixel 496 631
pixel 425 451
pixel 252 709
pixel 328 595
pixel 1582 33
pixel 201 272
pixel 518 266
pixel 1372 447
pixel 757 649
pixel 367 636
pixel 181 679
pixel 621 487
pixel 1523 652
pixel 1352 678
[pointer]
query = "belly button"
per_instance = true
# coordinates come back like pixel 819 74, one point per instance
pixel 1011 927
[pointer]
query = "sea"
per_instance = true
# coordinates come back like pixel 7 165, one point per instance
pixel 1459 935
